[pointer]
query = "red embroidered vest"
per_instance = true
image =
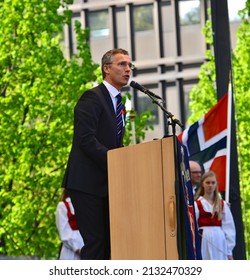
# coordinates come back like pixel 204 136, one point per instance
pixel 71 217
pixel 205 218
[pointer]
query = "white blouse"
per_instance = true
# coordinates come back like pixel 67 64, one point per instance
pixel 71 239
pixel 217 242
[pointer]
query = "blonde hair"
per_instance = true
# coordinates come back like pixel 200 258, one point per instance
pixel 64 194
pixel 217 206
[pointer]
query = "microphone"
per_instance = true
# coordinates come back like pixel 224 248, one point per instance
pixel 135 85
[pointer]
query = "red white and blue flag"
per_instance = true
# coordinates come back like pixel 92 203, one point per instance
pixel 206 141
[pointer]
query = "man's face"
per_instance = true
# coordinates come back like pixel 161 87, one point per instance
pixel 196 173
pixel 119 71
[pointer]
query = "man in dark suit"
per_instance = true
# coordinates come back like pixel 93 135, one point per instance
pixel 95 132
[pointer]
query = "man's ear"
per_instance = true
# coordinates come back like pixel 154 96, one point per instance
pixel 106 68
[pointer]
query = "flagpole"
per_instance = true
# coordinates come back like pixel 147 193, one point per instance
pixel 229 117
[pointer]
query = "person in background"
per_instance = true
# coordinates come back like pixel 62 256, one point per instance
pixel 96 131
pixel 70 236
pixel 215 221
pixel 196 173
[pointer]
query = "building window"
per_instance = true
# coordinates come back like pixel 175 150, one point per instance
pixel 143 18
pixel 146 104
pixel 99 23
pixel 189 12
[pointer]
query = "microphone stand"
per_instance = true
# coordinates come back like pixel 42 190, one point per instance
pixel 173 121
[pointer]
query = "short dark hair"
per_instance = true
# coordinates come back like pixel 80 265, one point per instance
pixel 108 57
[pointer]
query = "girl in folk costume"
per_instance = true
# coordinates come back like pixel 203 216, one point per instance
pixel 215 221
pixel 70 236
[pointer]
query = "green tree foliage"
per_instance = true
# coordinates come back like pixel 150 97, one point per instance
pixel 203 97
pixel 136 124
pixel 241 63
pixel 39 88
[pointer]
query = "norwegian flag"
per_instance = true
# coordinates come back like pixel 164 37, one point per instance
pixel 206 141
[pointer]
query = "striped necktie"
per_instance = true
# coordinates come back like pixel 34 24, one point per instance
pixel 119 120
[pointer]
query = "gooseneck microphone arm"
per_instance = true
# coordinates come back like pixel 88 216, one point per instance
pixel 135 85
pixel 153 97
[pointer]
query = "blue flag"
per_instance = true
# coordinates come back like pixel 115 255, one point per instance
pixel 190 242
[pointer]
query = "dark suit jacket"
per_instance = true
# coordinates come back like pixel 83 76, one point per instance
pixel 95 132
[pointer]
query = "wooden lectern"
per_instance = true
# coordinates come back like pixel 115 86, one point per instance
pixel 142 201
